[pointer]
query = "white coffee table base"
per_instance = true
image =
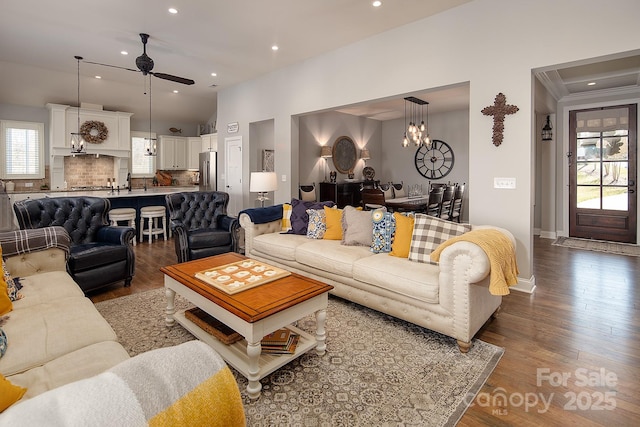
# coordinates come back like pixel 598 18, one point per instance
pixel 246 355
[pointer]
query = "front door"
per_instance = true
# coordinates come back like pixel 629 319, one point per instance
pixel 602 173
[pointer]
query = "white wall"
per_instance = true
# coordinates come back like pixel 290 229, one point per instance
pixel 492 44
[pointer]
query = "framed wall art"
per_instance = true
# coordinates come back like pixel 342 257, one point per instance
pixel 268 160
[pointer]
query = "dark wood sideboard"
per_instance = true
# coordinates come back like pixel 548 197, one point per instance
pixel 343 193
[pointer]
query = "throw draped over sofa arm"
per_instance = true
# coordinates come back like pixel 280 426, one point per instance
pixel 201 225
pixel 100 254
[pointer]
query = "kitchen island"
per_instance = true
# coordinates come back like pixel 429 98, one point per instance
pixel 137 198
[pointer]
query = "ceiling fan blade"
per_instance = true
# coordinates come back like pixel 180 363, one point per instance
pixel 173 78
pixel 112 66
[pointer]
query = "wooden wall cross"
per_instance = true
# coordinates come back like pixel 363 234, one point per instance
pixel 499 110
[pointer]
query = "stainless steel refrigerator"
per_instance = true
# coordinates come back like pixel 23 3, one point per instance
pixel 208 168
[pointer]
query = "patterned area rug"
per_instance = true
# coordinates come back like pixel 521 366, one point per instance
pixel 598 245
pixel 378 370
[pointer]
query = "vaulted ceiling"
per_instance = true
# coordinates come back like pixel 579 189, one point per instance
pixel 233 39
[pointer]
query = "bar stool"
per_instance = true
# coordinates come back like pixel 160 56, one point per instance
pixel 123 214
pixel 152 214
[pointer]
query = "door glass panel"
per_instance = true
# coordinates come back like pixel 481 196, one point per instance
pixel 616 148
pixel 588 173
pixel 615 173
pixel 615 198
pixel 588 197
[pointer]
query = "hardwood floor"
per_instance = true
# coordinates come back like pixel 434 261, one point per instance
pixel 572 349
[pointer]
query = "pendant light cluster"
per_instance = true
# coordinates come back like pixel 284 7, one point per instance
pixel 78 144
pixel 152 143
pixel 417 131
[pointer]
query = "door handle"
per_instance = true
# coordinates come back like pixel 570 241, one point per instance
pixel 631 191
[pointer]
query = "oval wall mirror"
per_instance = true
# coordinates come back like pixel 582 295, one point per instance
pixel 344 155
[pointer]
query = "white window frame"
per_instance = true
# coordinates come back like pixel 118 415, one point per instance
pixel 151 172
pixel 5 125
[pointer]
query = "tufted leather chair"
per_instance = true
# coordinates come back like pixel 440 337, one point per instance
pixel 100 254
pixel 201 225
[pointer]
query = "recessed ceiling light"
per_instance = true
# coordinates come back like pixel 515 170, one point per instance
pixel 214 74
pixel 98 77
pixel 274 47
pixel 591 84
pixel 175 91
pixel 377 3
pixel 124 52
pixel 173 10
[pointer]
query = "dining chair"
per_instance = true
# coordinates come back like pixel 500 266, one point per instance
pixel 435 201
pixel 456 206
pixel 372 198
pixel 399 190
pixel 447 202
pixel 387 189
pixel 307 193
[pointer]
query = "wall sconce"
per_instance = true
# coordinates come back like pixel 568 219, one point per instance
pixel 547 131
pixel 364 155
pixel 325 153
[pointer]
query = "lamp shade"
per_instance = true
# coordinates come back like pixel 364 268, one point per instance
pixel 364 154
pixel 325 151
pixel 261 182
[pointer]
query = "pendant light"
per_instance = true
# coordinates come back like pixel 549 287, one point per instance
pixel 78 144
pixel 418 134
pixel 151 142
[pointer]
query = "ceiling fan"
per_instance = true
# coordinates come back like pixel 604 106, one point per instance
pixel 145 65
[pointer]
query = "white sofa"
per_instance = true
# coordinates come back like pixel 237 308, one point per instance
pixel 55 334
pixel 75 372
pixel 451 298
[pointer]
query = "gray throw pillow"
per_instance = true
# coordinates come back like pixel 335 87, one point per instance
pixel 357 227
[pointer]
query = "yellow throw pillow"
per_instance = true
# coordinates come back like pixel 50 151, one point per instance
pixel 9 393
pixel 5 302
pixel 286 216
pixel 402 238
pixel 334 224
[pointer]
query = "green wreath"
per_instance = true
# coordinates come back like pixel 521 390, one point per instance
pixel 94 132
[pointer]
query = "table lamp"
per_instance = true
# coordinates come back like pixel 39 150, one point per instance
pixel 262 183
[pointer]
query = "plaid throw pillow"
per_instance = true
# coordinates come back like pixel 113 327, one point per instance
pixel 286 217
pixel 429 232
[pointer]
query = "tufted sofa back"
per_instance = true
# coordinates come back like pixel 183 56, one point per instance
pixel 82 217
pixel 198 209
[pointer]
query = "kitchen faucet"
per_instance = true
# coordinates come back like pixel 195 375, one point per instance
pixel 129 181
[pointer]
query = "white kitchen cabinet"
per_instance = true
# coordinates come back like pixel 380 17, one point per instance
pixel 209 142
pixel 194 148
pixel 173 152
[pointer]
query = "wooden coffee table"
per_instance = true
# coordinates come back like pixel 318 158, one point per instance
pixel 253 313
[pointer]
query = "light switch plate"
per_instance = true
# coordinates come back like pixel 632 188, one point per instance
pixel 504 183
pixel 284 178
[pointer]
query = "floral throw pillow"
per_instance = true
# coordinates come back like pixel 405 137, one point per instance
pixel 3 343
pixel 384 227
pixel 317 224
pixel 13 285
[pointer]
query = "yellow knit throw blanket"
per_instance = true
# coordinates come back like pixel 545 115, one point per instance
pixel 499 249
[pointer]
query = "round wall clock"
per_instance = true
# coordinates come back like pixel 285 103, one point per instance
pixel 436 161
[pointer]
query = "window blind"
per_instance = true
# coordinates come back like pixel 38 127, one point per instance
pixel 22 149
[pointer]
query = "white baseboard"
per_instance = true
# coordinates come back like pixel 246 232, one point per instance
pixel 548 235
pixel 525 285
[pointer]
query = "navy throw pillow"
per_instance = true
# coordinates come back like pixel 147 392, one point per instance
pixel 299 216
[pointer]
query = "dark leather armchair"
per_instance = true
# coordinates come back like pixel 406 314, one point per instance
pixel 201 225
pixel 100 254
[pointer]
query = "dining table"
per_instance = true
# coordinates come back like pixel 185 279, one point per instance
pixel 413 203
